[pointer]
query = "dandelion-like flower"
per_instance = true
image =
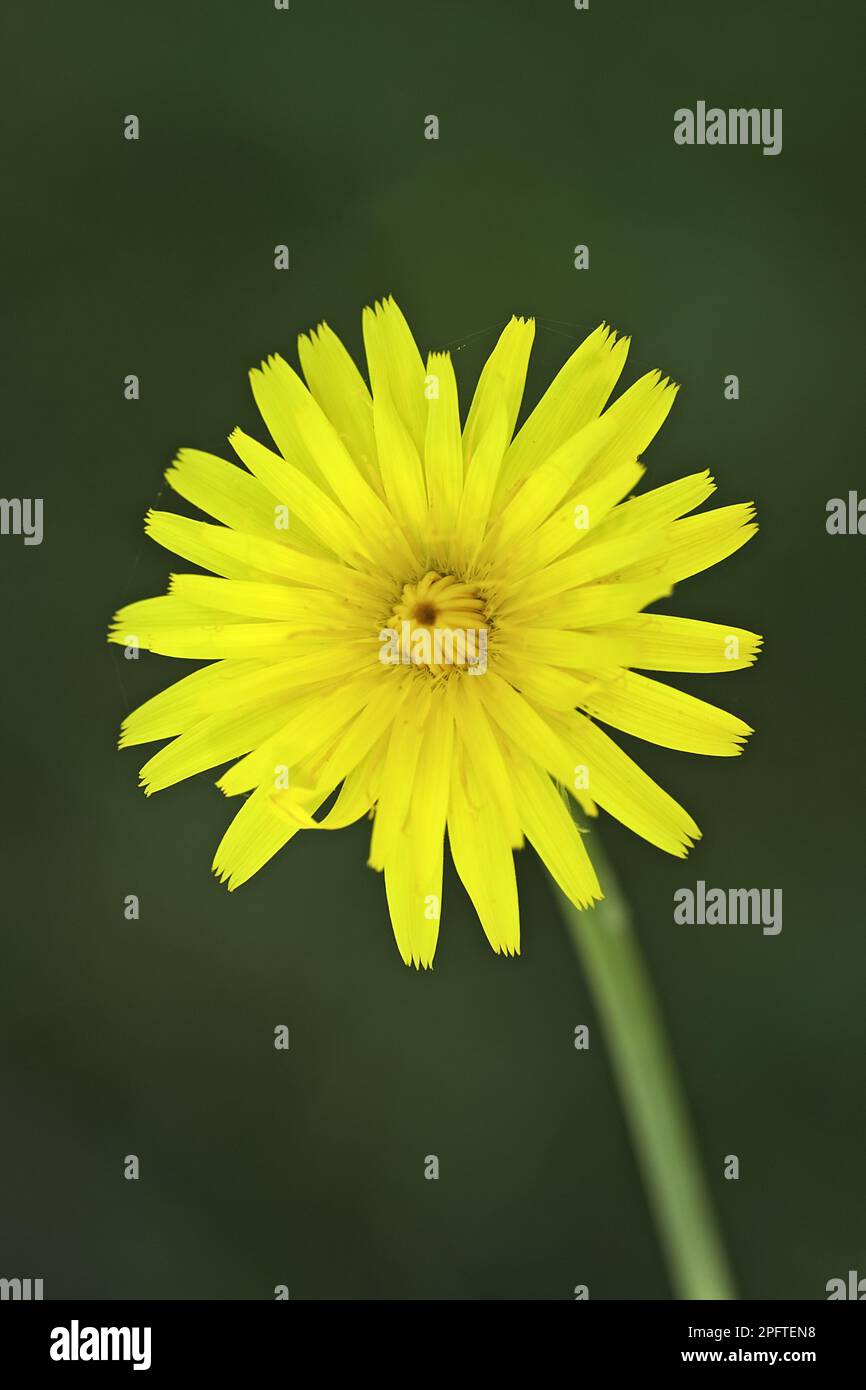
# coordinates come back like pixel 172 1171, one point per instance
pixel 428 623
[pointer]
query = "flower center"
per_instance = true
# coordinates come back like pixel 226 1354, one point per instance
pixel 441 623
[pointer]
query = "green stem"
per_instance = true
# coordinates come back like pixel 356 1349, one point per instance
pixel 646 1074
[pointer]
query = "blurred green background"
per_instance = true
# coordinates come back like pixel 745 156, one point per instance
pixel 154 1037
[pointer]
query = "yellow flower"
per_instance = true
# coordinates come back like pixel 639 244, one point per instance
pixel 433 621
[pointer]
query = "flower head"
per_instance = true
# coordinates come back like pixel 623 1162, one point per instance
pixel 428 623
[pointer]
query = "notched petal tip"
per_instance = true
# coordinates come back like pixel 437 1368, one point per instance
pixel 220 872
pixel 507 949
pixel 689 840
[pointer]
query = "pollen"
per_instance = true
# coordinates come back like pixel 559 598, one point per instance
pixel 440 622
pixel 441 600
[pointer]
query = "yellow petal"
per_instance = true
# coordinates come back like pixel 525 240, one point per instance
pixel 588 651
pixel 624 789
pixel 443 457
pixel 388 695
pixel 255 835
pixel 206 639
pixel 524 727
pixel 213 741
pixel 655 509
pixel 661 714
pixel 482 471
pixel 430 793
pixel 358 793
pixel 697 543
pixel 309 442
pixel 313 724
pixel 137 622
pixel 544 686
pixel 631 424
pixel 236 555
pixel 482 752
pixel 225 492
pixel 594 605
pixel 181 705
pixel 338 387
pixel 553 834
pixel 586 565
pixel 413 861
pixel 483 858
pixel 573 522
pixel 278 602
pixel 398 773
pixel 685 644
pixel 304 499
pixel 393 360
pixel 500 386
pixel 576 395
pixel 608 443
pixel 414 897
pixel 402 471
